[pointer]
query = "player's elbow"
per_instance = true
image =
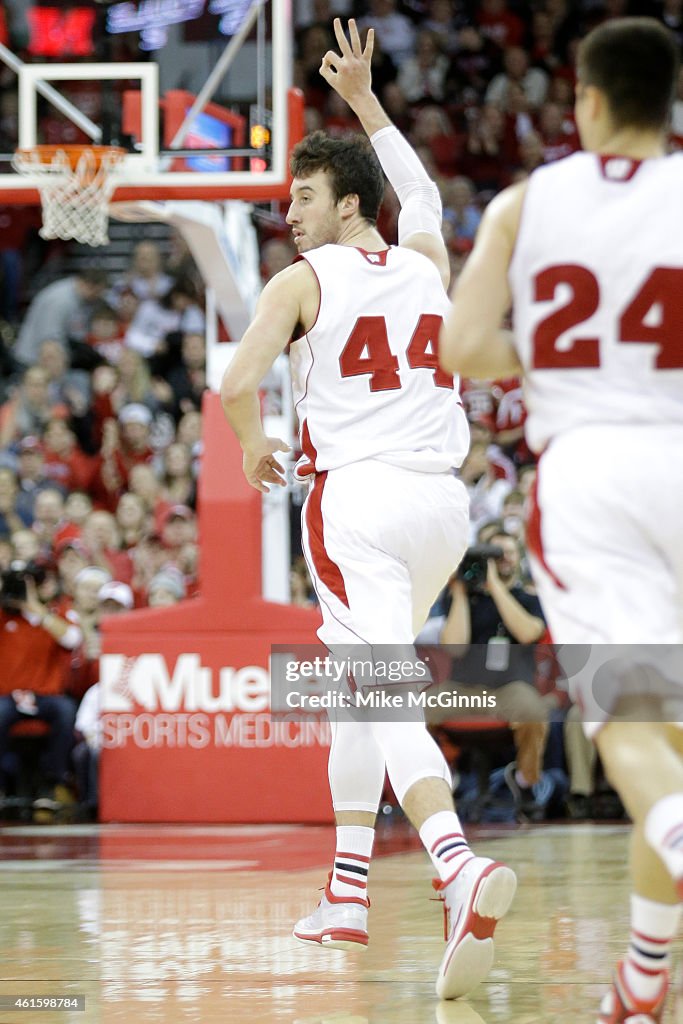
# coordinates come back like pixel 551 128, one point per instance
pixel 233 389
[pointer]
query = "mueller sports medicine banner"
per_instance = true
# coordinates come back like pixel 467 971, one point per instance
pixel 185 690
pixel 188 736
pixel 147 705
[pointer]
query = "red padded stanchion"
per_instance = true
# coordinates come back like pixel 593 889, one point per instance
pixel 185 690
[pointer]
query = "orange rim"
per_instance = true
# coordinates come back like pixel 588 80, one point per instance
pixel 73 153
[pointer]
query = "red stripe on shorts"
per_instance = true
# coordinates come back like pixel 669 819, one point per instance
pixel 533 533
pixel 307 446
pixel 327 570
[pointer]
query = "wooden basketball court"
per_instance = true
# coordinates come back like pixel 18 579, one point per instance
pixel 179 924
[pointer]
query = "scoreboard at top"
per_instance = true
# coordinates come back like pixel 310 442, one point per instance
pixel 67 30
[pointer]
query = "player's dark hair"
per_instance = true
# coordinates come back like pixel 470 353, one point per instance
pixel 351 165
pixel 634 62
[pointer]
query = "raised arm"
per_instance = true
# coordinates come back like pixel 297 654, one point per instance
pixel 419 223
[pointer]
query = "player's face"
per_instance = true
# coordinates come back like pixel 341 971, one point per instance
pixel 313 214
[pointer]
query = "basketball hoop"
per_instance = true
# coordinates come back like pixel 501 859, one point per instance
pixel 75 188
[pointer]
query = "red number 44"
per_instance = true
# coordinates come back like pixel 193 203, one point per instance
pixel 654 316
pixel 367 351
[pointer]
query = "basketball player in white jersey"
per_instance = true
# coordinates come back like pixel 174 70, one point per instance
pixel 386 519
pixel 589 253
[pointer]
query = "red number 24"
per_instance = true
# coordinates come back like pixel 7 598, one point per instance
pixel 662 289
pixel 370 335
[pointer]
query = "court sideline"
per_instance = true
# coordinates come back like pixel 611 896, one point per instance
pixel 181 924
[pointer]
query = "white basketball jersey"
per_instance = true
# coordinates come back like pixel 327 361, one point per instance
pixel 366 378
pixel 597 285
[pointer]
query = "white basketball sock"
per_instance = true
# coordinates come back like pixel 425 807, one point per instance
pixel 445 843
pixel 352 861
pixel 664 832
pixel 653 926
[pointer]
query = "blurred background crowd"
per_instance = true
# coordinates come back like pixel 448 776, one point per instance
pixel 102 374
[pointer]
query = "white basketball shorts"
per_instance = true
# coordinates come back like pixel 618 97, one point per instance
pixel 606 539
pixel 380 542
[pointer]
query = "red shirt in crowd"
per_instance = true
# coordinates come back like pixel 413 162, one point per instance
pixel 73 472
pixel 502 27
pixel 31 659
pixel 123 461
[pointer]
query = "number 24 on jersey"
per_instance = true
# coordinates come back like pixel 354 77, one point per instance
pixel 654 315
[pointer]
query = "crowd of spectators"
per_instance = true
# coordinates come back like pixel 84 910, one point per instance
pixel 101 379
pixel 484 90
pixel 100 439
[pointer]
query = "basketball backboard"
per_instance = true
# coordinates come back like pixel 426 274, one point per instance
pixel 203 105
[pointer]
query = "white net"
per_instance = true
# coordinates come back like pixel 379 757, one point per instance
pixel 75 199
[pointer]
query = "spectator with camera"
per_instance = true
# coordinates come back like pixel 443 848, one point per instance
pixel 33 642
pixel 493 623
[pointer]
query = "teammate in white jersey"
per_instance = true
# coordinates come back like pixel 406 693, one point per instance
pixel 589 252
pixel 386 519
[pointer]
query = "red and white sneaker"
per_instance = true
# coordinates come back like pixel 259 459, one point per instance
pixel 337 923
pixel 619 1005
pixel 475 899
